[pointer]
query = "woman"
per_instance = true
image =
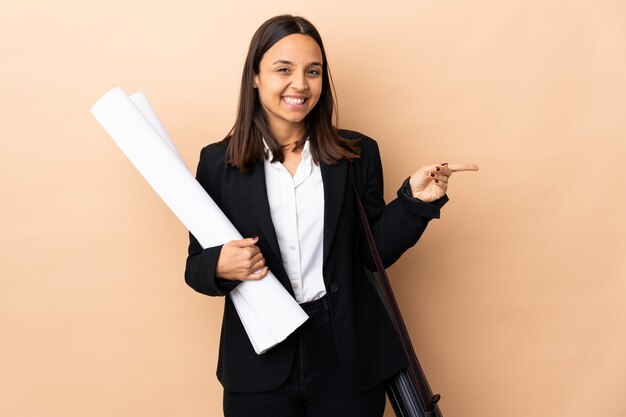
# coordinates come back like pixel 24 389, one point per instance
pixel 281 176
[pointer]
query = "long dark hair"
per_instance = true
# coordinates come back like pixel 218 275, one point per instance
pixel 251 126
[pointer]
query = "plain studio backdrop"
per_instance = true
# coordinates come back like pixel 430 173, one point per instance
pixel 514 298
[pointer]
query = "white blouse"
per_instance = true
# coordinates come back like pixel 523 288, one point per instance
pixel 297 210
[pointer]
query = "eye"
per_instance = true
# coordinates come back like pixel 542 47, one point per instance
pixel 313 72
pixel 283 69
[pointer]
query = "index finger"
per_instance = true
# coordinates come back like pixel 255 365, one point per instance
pixel 463 167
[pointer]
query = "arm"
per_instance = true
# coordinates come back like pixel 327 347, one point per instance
pixel 201 265
pixel 200 270
pixel 396 226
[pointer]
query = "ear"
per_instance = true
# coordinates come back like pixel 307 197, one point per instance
pixel 255 81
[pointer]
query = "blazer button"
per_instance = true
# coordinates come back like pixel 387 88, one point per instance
pixel 334 287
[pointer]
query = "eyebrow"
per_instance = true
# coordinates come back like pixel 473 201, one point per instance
pixel 284 61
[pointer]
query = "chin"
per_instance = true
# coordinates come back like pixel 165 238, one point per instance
pixel 295 119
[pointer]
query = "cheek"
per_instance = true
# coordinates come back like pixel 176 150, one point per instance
pixel 271 87
pixel 316 91
pixel 267 95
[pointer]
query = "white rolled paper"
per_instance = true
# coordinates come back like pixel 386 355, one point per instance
pixel 144 106
pixel 268 312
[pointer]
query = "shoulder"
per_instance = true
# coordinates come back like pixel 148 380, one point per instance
pixel 364 141
pixel 215 152
pixel 369 147
pixel 212 168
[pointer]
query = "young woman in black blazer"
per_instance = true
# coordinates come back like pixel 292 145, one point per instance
pixel 284 164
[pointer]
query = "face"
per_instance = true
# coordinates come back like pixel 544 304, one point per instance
pixel 289 81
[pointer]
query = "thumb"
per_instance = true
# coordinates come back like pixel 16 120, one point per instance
pixel 244 243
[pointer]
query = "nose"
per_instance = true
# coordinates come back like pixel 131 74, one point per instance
pixel 299 81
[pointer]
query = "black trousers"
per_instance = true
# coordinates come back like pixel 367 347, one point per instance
pixel 317 385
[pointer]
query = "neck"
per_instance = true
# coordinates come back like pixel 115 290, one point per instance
pixel 288 135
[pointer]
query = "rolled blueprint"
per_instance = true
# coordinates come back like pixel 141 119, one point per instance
pixel 144 106
pixel 268 312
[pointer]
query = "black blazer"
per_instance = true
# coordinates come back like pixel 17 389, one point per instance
pixel 369 349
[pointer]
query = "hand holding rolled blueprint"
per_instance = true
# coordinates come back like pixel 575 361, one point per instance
pixel 268 312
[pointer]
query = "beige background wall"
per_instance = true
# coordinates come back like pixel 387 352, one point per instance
pixel 514 298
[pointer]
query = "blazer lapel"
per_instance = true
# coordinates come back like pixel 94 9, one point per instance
pixel 334 179
pixel 254 188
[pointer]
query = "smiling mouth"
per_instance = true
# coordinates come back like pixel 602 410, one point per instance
pixel 294 100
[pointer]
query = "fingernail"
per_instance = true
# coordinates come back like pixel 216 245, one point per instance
pixel 432 175
pixel 436 181
pixel 445 164
pixel 436 168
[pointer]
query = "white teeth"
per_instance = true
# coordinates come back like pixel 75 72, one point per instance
pixel 292 100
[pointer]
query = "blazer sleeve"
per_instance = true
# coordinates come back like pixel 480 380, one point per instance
pixel 201 263
pixel 396 226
